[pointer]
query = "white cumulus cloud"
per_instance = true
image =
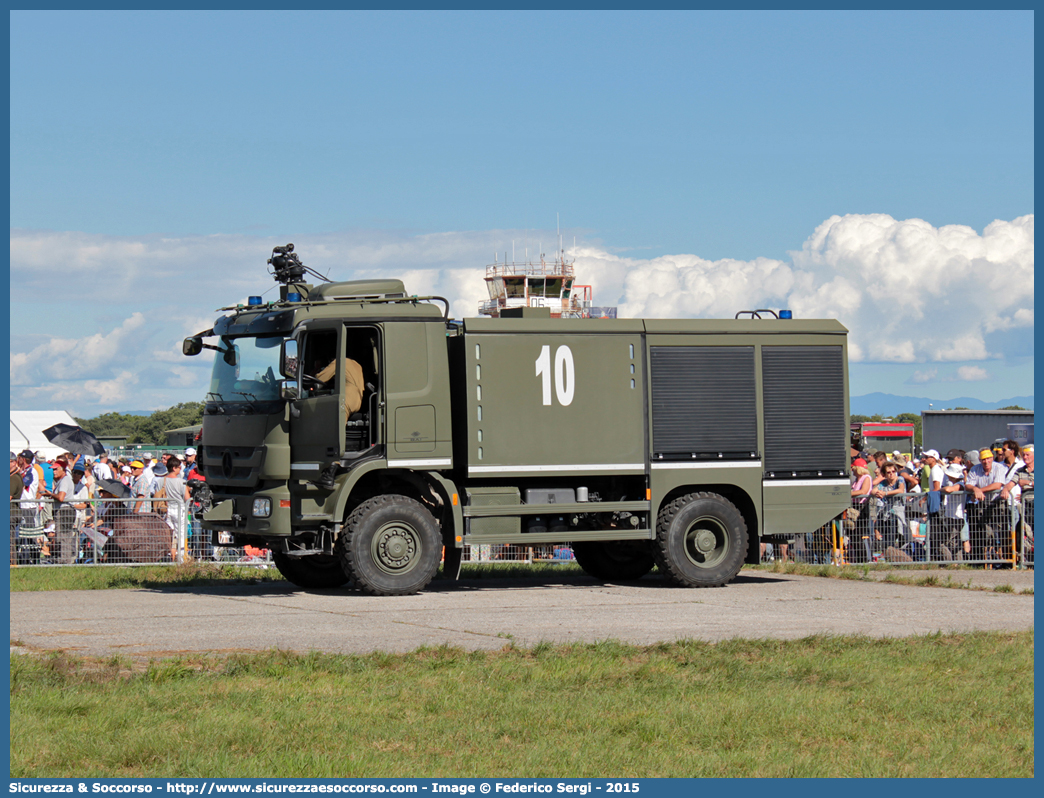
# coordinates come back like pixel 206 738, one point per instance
pixel 908 292
pixel 972 373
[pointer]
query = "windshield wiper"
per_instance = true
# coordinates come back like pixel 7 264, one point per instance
pixel 246 393
pixel 215 407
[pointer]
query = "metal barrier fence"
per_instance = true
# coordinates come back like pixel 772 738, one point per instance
pixel 115 532
pixel 497 552
pixel 899 530
pixel 136 532
pixel 126 531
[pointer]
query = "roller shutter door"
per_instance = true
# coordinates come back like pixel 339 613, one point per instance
pixel 804 410
pixel 704 402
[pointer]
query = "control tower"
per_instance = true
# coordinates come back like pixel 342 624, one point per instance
pixel 547 283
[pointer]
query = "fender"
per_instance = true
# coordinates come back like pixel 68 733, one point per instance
pixel 346 483
pixel 449 491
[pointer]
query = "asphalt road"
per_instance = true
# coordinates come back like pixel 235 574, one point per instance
pixel 487 614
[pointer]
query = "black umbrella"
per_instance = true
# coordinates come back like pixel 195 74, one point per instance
pixel 115 487
pixel 73 439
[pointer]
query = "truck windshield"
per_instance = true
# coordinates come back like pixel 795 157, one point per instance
pixel 246 369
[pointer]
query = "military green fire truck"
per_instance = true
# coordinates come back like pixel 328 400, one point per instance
pixel 364 436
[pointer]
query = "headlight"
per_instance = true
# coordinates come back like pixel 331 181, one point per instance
pixel 262 508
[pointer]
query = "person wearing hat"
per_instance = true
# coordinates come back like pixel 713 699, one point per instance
pixel 80 498
pixel 862 484
pixel 1026 475
pixel 954 517
pixel 140 488
pixel 64 514
pixel 190 462
pixel 110 510
pixel 150 472
pixel 984 482
pixel 932 477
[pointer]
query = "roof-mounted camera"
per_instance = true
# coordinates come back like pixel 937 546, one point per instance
pixel 288 269
pixel 286 266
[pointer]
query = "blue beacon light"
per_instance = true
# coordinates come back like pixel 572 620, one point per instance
pixel 293 297
pixel 786 314
pixel 253 300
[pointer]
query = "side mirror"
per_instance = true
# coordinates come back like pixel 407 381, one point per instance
pixel 288 390
pixel 288 359
pixel 231 355
pixel 191 346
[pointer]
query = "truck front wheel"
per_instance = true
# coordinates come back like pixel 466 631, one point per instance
pixel 391 546
pixel 614 560
pixel 312 572
pixel 701 540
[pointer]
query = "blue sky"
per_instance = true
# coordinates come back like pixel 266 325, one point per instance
pixel 157 157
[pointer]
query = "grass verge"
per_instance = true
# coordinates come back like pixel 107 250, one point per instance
pixel 864 573
pixel 941 705
pixel 212 574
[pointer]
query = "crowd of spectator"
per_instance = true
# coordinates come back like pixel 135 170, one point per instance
pixel 67 506
pixel 964 506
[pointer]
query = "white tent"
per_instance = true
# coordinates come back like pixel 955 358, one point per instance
pixel 27 428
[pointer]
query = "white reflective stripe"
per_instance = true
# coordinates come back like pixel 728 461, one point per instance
pixel 304 466
pixel 805 483
pixel 433 463
pixel 541 468
pixel 710 464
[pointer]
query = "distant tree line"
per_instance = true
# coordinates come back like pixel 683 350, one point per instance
pixel 145 429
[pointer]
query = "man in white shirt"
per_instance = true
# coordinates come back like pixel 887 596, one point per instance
pixel 956 528
pixel 935 481
pixel 149 472
pixel 102 470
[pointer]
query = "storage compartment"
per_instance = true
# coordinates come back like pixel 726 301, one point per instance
pixel 494 497
pixel 550 496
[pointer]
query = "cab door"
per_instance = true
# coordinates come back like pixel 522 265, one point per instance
pixel 317 416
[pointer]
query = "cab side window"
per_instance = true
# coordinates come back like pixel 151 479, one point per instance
pixel 318 377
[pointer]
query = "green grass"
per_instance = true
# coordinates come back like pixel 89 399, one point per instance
pixel 863 573
pixel 941 705
pixel 106 577
pixel 213 574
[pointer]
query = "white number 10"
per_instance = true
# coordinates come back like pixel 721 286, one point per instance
pixel 564 382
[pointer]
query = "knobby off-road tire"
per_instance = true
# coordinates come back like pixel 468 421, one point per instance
pixel 701 540
pixel 614 560
pixel 391 546
pixel 312 572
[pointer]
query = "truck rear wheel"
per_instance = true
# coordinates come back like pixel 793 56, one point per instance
pixel 391 546
pixel 610 560
pixel 701 540
pixel 312 572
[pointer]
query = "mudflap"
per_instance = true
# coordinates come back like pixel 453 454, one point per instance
pixel 451 560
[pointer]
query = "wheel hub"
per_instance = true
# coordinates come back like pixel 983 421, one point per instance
pixel 705 542
pixel 395 548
